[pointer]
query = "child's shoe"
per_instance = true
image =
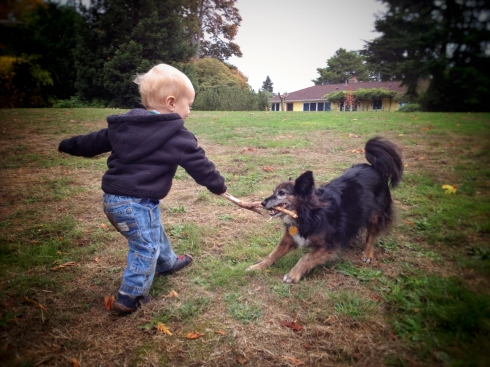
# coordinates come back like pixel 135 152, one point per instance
pixel 181 262
pixel 126 303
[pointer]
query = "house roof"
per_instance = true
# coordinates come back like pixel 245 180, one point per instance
pixel 318 91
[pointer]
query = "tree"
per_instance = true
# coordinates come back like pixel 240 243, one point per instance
pixel 213 25
pixel 125 37
pixel 342 66
pixel 41 38
pixel 443 41
pixel 267 85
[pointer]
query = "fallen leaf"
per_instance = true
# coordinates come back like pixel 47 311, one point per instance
pixel 163 328
pixel 96 259
pixel 360 151
pixel 293 325
pixel 194 335
pixel 108 302
pixel 241 360
pixel 268 169
pixel 75 362
pixel 375 298
pixel 354 120
pixel 41 306
pixel 103 225
pixel 420 159
pixel 449 189
pixel 173 293
pixel 296 361
pixel 353 135
pixel 69 263
pixel 220 332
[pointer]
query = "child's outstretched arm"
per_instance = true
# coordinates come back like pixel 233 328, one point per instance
pixel 88 145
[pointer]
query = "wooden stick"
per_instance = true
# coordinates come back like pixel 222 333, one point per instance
pixel 254 206
pixel 285 211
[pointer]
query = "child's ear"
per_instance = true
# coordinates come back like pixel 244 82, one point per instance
pixel 170 103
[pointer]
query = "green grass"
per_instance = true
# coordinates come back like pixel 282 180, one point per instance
pixel 428 284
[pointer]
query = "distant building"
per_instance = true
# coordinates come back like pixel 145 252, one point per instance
pixel 314 99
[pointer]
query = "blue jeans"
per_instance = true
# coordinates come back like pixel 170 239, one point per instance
pixel 138 220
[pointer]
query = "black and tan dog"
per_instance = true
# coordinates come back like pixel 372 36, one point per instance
pixel 331 216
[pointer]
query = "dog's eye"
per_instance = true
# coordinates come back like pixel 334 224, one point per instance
pixel 282 193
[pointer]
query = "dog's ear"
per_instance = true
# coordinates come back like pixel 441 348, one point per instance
pixel 304 185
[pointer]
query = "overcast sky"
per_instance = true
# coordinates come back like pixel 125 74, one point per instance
pixel 289 39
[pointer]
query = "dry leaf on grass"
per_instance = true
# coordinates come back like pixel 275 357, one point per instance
pixel 360 151
pixel 65 265
pixel 163 328
pixel 268 168
pixel 220 332
pixel 449 189
pixel 296 361
pixel 293 325
pixel 173 294
pixel 41 306
pixel 194 335
pixel 108 302
pixel 75 362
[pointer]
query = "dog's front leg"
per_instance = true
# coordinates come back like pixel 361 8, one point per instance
pixel 287 244
pixel 307 263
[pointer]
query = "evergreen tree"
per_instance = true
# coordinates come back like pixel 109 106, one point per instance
pixel 267 85
pixel 442 41
pixel 342 66
pixel 41 40
pixel 123 38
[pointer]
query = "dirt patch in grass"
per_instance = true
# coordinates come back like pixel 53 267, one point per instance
pixel 50 317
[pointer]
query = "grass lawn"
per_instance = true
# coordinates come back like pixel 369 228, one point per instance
pixel 425 300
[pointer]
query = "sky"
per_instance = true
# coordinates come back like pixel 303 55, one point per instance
pixel 288 40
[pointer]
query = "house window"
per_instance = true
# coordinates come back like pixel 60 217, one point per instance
pixel 313 106
pixel 306 106
pixel 275 107
pixel 328 106
pixel 289 107
pixel 377 104
pixel 320 106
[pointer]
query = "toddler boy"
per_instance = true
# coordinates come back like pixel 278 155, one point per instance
pixel 147 146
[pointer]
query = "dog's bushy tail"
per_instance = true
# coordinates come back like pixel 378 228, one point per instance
pixel 386 158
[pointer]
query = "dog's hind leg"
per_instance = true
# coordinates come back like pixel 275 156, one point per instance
pixel 287 244
pixel 307 263
pixel 372 233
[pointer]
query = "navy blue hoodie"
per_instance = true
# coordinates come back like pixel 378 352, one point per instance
pixel 146 150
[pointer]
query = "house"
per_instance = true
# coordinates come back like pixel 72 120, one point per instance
pixel 315 98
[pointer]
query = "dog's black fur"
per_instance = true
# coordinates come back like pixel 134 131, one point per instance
pixel 330 216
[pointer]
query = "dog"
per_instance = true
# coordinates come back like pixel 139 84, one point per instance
pixel 331 216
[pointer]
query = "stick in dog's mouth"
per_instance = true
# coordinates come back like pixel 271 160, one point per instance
pixel 285 211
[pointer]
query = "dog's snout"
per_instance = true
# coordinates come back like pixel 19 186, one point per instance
pixel 263 203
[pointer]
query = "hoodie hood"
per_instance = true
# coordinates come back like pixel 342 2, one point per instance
pixel 139 133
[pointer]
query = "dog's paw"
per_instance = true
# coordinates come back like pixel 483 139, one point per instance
pixel 291 278
pixel 367 259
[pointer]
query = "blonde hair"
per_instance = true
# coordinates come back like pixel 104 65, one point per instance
pixel 160 82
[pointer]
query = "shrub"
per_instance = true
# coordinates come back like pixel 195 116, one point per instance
pixel 410 107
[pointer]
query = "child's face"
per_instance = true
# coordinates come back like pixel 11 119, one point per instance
pixel 183 104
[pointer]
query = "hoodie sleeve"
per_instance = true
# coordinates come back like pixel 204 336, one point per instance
pixel 88 145
pixel 201 169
